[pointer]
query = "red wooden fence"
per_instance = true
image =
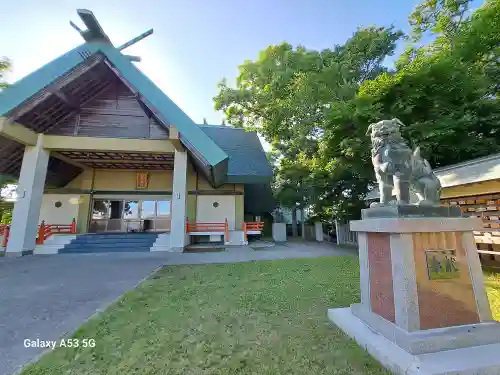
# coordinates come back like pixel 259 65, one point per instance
pixel 44 231
pixel 252 226
pixel 47 230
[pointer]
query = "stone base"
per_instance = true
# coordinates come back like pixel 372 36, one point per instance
pixel 12 254
pixel 279 232
pixel 409 211
pixel 176 249
pixel 476 359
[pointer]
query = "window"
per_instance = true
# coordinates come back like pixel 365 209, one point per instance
pixel 163 208
pixel 101 209
pixel 131 210
pixel 148 209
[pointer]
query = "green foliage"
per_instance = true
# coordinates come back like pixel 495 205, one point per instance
pixel 5 181
pixel 6 186
pixel 5 65
pixel 314 106
pixel 286 95
pixel 440 17
pixel 449 94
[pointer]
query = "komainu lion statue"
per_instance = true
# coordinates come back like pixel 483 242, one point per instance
pixel 397 167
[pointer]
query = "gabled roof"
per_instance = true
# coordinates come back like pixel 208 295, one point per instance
pixel 248 163
pixel 210 157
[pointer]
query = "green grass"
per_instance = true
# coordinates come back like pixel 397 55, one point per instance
pixel 492 282
pixel 204 250
pixel 245 318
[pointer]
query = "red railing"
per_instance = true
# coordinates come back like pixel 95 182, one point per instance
pixel 5 232
pixel 208 227
pixel 44 231
pixel 252 226
pixel 47 230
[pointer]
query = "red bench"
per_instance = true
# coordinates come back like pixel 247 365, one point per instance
pixel 252 228
pixel 205 228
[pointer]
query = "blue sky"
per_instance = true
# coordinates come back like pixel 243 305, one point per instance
pixel 195 42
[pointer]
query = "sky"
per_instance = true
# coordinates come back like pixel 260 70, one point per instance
pixel 195 42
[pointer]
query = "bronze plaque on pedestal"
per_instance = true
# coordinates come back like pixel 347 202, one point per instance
pixel 442 264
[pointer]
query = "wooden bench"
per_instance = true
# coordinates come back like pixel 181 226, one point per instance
pixel 208 229
pixel 252 228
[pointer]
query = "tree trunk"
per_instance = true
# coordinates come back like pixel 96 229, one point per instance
pixel 295 231
pixel 303 224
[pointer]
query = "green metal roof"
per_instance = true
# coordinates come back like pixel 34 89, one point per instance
pixel 192 136
pixel 248 163
pixel 14 95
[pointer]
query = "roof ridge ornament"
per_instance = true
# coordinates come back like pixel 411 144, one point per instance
pixel 95 33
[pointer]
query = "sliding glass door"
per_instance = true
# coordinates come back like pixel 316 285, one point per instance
pixel 130 215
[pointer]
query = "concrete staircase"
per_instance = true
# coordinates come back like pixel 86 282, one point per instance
pixel 110 243
pixel 162 243
pixel 54 244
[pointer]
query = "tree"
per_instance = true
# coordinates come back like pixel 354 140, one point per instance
pixel 5 65
pixel 443 18
pixel 5 183
pixel 287 95
pixel 314 106
pixel 444 95
pixel 292 189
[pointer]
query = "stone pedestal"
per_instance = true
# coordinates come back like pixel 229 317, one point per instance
pixel 318 232
pixel 279 232
pixel 424 308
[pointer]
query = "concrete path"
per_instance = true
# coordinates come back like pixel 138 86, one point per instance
pixel 246 253
pixel 45 297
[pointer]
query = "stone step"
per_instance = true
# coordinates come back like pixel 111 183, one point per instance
pixel 83 250
pixel 126 236
pixel 113 241
pixel 107 244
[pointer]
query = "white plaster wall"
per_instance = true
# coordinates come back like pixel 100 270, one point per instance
pixel 62 215
pixel 205 210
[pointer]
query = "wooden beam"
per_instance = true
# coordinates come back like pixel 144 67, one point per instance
pixel 175 138
pixel 61 142
pixel 133 58
pixel 487 239
pixel 121 161
pixel 60 83
pixel 135 40
pixel 17 132
pixel 70 100
pixel 94 30
pixel 57 155
pixel 142 100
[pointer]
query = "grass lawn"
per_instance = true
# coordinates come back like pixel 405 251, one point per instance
pixel 492 281
pixel 245 318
